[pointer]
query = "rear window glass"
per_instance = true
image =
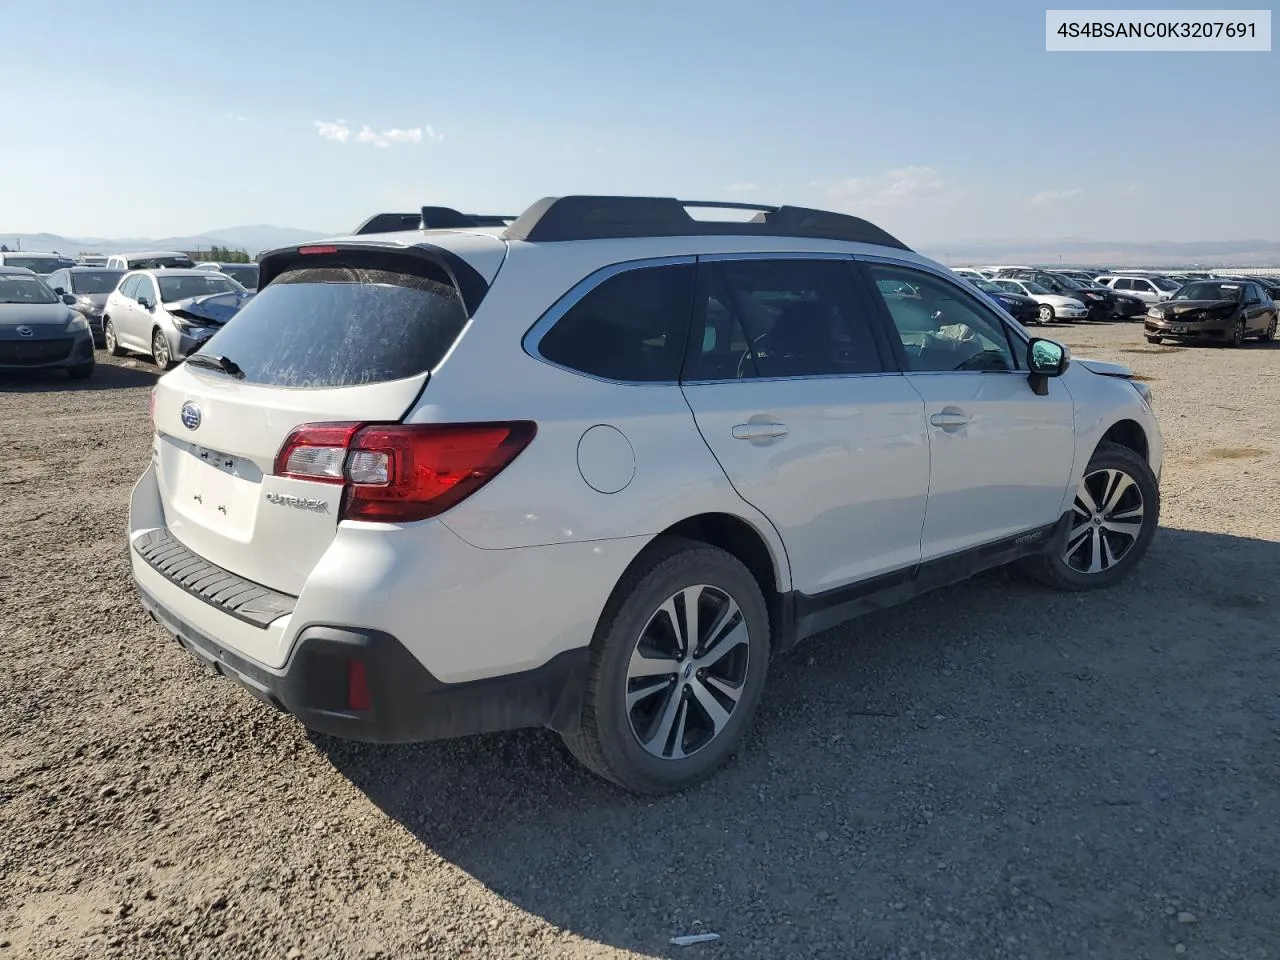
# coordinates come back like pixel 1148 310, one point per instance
pixel 341 326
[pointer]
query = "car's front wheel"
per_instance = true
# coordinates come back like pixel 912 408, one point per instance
pixel 1113 518
pixel 82 372
pixel 109 337
pixel 160 350
pixel 1046 313
pixel 678 663
pixel 1237 334
pixel 1151 339
pixel 1270 333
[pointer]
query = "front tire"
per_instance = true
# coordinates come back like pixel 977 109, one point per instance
pixel 1269 334
pixel 82 372
pixel 160 350
pixel 1156 340
pixel 1113 518
pixel 109 338
pixel 1046 313
pixel 678 663
pixel 1237 335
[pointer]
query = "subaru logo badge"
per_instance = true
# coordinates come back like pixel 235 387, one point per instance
pixel 25 332
pixel 190 415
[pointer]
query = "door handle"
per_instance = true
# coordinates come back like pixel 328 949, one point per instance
pixel 951 419
pixel 759 431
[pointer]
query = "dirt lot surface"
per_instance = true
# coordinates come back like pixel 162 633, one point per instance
pixel 990 771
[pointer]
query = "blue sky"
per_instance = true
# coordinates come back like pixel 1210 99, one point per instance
pixel 942 121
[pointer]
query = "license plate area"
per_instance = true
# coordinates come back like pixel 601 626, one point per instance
pixel 211 489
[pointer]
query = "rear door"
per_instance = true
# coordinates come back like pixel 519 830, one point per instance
pixel 789 383
pixel 1001 456
pixel 341 338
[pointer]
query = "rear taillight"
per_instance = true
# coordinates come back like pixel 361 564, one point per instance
pixel 402 472
pixel 358 695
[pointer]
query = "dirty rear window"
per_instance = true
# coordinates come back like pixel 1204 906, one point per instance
pixel 341 326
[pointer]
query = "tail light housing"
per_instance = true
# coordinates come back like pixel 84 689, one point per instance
pixel 396 473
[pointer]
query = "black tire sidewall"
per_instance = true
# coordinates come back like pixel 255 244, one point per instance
pixel 626 758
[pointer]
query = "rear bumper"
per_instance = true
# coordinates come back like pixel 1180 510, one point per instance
pixel 406 703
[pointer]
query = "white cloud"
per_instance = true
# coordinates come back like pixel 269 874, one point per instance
pixel 340 132
pixel 908 182
pixel 743 187
pixel 238 117
pixel 1047 198
pixel 1132 189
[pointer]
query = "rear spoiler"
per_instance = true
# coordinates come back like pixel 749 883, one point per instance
pixel 430 218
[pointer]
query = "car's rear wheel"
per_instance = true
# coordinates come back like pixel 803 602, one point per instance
pixel 160 350
pixel 109 337
pixel 1113 518
pixel 678 663
pixel 1269 334
pixel 1046 313
pixel 82 372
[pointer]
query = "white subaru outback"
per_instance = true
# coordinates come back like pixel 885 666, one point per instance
pixel 594 468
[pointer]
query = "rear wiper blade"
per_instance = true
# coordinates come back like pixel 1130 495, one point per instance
pixel 215 361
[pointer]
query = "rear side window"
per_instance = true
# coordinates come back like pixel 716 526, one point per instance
pixel 631 327
pixel 780 318
pixel 339 326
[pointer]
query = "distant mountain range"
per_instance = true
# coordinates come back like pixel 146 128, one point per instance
pixel 257 237
pixel 252 239
pixel 1224 253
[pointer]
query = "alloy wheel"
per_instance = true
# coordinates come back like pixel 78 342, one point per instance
pixel 1237 335
pixel 687 672
pixel 109 336
pixel 1046 313
pixel 160 350
pixel 1106 520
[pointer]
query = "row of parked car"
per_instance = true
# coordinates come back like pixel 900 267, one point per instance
pixel 54 310
pixel 1224 308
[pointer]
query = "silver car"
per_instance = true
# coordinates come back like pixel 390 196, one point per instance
pixel 169 314
pixel 89 287
pixel 245 274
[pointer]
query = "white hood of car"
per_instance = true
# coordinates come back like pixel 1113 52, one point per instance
pixel 1057 300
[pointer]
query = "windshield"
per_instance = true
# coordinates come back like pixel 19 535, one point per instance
pixel 180 288
pixel 38 264
pixel 1163 283
pixel 245 274
pixel 98 281
pixel 20 289
pixel 1210 290
pixel 988 287
pixel 158 263
pixel 1034 288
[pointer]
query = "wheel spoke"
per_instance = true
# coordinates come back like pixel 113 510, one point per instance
pixel 1108 558
pixel 730 640
pixel 1076 538
pixel 646 691
pixel 715 683
pixel 1085 497
pixel 642 666
pixel 717 714
pixel 1119 484
pixel 660 730
pixel 1133 513
pixel 677 742
pixel 1130 529
pixel 689 638
pixel 1095 559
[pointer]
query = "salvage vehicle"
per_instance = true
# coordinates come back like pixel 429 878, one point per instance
pixel 594 469
pixel 168 314
pixel 1225 311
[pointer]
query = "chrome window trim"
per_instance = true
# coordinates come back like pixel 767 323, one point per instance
pixel 761 255
pixel 532 340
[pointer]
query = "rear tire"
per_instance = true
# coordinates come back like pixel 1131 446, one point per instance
pixel 652 730
pixel 1269 334
pixel 1113 518
pixel 160 350
pixel 82 372
pixel 109 338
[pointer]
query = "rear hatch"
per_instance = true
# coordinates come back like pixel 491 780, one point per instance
pixel 340 333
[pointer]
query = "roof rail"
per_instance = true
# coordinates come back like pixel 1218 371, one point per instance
pixel 554 219
pixel 431 218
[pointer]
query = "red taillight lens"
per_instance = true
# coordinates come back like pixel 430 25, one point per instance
pixel 317 249
pixel 397 473
pixel 316 451
pixel 358 695
pixel 405 472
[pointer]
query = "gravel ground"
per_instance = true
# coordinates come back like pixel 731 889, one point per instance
pixel 990 771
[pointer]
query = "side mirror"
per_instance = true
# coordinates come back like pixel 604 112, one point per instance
pixel 1045 359
pixel 68 299
pixel 145 303
pixel 60 290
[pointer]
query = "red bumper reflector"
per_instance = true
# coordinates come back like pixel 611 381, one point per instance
pixel 358 696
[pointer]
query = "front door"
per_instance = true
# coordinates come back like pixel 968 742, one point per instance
pixel 787 377
pixel 1001 456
